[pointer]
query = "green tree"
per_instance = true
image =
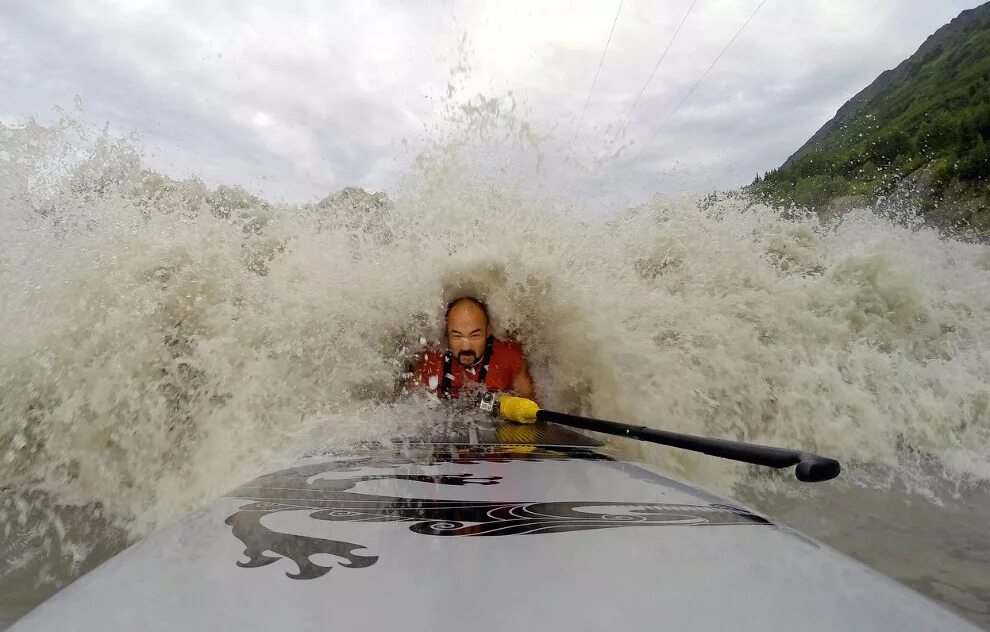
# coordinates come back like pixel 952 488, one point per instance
pixel 943 173
pixel 817 190
pixel 885 149
pixel 976 164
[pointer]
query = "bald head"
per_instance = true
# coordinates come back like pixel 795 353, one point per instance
pixel 467 330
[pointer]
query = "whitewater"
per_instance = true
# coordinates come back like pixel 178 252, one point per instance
pixel 162 340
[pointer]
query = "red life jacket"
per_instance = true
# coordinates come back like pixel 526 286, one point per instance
pixel 496 371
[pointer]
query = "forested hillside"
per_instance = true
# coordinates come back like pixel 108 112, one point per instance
pixel 920 130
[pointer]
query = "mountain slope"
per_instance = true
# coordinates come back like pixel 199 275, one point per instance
pixel 922 128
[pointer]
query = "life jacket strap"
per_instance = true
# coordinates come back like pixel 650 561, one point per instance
pixel 486 359
pixel 447 380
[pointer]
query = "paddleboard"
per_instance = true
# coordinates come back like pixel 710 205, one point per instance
pixel 492 528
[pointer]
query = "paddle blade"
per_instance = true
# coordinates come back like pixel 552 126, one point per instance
pixel 815 469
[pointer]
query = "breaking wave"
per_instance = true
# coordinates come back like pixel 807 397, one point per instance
pixel 162 340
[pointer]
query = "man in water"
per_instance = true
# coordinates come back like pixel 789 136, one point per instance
pixel 475 359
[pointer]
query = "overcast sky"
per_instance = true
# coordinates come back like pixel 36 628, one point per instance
pixel 298 99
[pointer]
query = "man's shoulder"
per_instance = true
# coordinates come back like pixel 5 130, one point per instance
pixel 507 345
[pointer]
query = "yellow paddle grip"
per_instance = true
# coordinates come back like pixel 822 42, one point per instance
pixel 518 409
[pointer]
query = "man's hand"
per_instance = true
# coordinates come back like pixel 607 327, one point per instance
pixel 518 409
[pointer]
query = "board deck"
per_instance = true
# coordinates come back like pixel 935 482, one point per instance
pixel 506 433
pixel 505 530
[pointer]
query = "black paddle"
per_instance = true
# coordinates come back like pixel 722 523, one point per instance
pixel 811 468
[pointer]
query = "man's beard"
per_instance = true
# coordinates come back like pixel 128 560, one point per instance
pixel 467 358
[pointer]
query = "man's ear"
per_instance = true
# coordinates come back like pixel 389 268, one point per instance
pixel 488 330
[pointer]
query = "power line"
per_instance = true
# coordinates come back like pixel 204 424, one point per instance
pixel 662 56
pixel 621 128
pixel 698 82
pixel 597 72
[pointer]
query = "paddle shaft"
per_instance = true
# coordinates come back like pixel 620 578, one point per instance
pixel 811 468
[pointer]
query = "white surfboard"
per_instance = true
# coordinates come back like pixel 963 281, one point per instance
pixel 509 527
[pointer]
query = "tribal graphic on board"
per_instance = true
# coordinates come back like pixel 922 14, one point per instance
pixel 330 499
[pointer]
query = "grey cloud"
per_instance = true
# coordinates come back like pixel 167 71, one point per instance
pixel 303 100
pixel 55 59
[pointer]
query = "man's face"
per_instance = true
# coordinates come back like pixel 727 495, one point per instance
pixel 467 330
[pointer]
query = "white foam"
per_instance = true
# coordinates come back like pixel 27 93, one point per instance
pixel 162 341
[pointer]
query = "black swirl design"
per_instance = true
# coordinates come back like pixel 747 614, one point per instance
pixel 330 500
